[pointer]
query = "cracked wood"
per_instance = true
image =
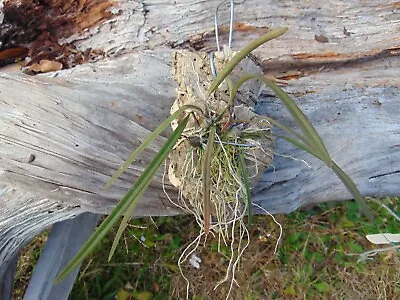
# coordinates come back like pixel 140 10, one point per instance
pixel 81 124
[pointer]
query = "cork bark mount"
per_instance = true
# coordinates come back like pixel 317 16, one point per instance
pixel 238 129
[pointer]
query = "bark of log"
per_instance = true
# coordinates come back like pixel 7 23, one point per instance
pixel 62 135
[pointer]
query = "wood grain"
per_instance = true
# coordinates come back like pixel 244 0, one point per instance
pixel 81 124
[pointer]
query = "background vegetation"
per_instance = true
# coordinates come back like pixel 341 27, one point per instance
pixel 317 258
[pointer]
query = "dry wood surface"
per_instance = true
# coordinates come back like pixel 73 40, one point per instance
pixel 63 134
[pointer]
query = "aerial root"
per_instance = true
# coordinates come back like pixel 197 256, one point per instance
pixel 228 198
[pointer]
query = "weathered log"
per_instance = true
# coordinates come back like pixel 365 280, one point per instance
pixel 62 135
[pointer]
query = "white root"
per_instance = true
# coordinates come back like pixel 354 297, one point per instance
pixel 228 191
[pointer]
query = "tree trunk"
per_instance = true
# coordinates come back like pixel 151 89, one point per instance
pixel 63 134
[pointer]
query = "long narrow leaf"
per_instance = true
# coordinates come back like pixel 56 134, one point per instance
pixel 311 141
pixel 238 84
pixel 146 177
pixel 352 188
pixel 311 137
pixel 245 177
pixel 289 102
pixel 127 215
pixel 164 125
pixel 300 145
pixel 206 180
pixel 301 121
pixel 97 236
pixel 288 130
pixel 347 181
pixel 118 211
pixel 242 54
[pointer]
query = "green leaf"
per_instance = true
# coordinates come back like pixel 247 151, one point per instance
pixel 299 145
pixel 355 247
pixel 318 257
pixel 171 267
pixel 146 177
pixel 287 129
pixel 311 141
pixel 352 188
pixel 292 238
pixel 311 137
pixel 164 125
pixel 314 141
pixel 242 54
pixel 347 181
pixel 130 199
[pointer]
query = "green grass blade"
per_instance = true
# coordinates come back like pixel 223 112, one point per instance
pixel 301 120
pixel 245 177
pixel 242 54
pixel 164 125
pixel 352 188
pixel 207 180
pixel 146 177
pixel 116 213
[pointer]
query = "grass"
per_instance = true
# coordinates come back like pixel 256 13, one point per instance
pixel 26 263
pixel 316 259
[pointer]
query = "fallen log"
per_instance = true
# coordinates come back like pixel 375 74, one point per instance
pixel 63 134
